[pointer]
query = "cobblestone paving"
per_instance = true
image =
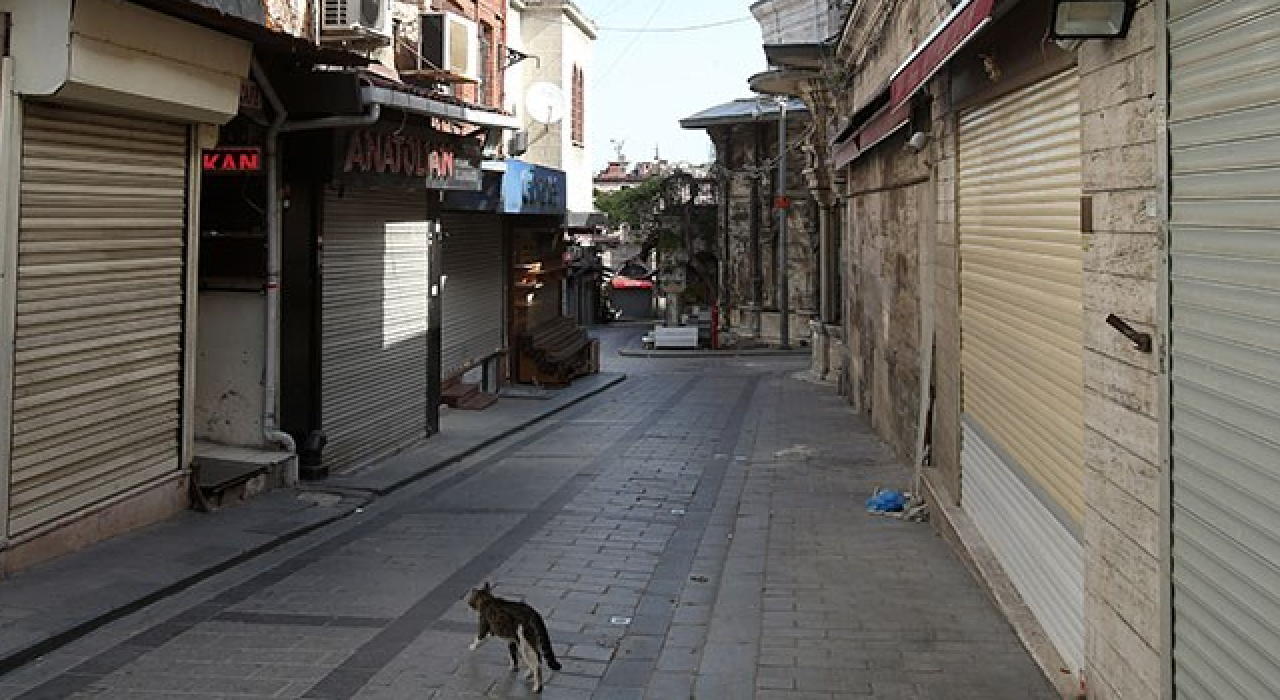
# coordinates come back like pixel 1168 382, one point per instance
pixel 697 532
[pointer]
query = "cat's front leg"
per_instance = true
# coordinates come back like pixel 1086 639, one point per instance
pixel 515 656
pixel 476 644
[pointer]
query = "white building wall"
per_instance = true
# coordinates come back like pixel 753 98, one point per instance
pixel 796 21
pixel 561 37
pixel 577 157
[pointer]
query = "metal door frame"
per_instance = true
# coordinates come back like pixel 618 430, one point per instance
pixel 1163 313
pixel 10 172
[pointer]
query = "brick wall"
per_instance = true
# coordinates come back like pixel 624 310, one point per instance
pixel 1122 440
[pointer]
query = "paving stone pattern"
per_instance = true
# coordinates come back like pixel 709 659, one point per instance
pixel 697 532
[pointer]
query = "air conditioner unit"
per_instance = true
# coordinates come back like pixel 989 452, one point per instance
pixel 448 42
pixel 356 20
pixel 518 145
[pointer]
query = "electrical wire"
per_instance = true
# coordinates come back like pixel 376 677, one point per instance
pixel 657 8
pixel 688 28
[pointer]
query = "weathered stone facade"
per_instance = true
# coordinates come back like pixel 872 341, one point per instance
pixel 887 198
pixel 1122 263
pixel 746 156
pixel 901 269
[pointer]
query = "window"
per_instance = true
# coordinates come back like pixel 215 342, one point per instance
pixel 577 126
pixel 484 70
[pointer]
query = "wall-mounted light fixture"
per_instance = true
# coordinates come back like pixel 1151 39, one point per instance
pixel 1091 19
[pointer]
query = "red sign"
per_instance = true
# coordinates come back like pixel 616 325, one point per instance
pixel 782 202
pixel 949 38
pixel 231 160
pixel 620 282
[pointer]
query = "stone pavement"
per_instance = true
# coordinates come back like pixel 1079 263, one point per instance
pixel 49 605
pixel 695 532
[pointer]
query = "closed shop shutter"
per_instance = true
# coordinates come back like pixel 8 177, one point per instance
pixel 1022 350
pixel 100 302
pixel 1224 238
pixel 472 319
pixel 374 319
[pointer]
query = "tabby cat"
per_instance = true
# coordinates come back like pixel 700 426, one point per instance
pixel 520 625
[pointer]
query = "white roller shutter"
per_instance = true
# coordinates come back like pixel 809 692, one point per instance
pixel 472 319
pixel 374 356
pixel 100 302
pixel 1022 347
pixel 1224 236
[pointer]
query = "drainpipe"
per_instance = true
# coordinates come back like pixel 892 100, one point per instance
pixel 271 375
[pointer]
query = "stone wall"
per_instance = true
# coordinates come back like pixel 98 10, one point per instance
pixel 747 153
pixel 888 194
pixel 1122 387
pixel 945 257
pixel 1123 533
pixel 888 204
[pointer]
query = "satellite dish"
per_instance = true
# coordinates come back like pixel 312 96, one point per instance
pixel 545 103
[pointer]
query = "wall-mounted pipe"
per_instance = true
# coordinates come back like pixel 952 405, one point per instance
pixel 271 375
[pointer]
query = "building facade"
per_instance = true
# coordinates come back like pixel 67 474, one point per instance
pixel 251 259
pixel 756 257
pixel 102 172
pixel 550 94
pixel 1037 237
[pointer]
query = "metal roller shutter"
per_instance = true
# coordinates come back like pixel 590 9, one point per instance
pixel 472 319
pixel 1022 349
pixel 100 302
pixel 1224 131
pixel 374 355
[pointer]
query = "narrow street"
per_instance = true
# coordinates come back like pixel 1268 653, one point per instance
pixel 697 531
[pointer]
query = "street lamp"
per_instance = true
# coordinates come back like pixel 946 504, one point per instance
pixel 782 204
pixel 1091 19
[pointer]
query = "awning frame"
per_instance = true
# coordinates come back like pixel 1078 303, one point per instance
pixel 870 126
pixel 942 44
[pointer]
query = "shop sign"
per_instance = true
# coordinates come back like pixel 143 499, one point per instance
pixel 532 189
pixel 410 158
pixel 231 160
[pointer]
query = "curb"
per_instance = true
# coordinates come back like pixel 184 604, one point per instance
pixel 477 447
pixel 25 655
pixel 761 352
pixel 31 652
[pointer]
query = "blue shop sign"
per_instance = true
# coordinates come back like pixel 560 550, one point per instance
pixel 532 189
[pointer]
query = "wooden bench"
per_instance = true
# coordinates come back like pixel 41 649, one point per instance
pixel 556 352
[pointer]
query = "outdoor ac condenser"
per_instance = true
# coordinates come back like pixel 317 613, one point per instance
pixel 448 42
pixel 356 20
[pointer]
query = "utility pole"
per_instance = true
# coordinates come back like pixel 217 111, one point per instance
pixel 781 204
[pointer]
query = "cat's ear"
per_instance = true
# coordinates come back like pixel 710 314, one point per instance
pixel 487 587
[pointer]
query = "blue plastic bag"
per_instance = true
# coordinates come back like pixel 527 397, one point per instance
pixel 886 501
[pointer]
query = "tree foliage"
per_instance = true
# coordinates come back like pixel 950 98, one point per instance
pixel 635 205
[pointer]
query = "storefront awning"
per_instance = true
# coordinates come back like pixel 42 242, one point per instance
pixel 407 101
pixel 872 125
pixel 875 129
pixel 945 41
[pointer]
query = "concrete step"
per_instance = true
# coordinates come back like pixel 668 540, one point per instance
pixel 224 474
pixel 458 392
pixel 477 402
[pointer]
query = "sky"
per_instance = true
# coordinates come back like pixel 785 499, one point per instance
pixel 642 83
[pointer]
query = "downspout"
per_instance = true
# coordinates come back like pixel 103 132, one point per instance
pixel 271 372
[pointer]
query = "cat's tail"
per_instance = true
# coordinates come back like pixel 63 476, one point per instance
pixel 544 640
